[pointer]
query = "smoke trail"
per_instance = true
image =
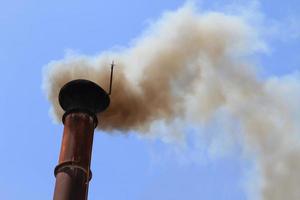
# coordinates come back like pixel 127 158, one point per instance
pixel 189 66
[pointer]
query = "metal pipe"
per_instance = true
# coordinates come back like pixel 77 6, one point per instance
pixel 73 171
pixel 81 100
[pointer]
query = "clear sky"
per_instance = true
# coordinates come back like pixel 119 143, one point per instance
pixel 33 32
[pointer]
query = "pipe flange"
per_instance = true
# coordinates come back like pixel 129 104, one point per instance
pixel 68 167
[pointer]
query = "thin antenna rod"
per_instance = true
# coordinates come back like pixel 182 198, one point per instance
pixel 111 77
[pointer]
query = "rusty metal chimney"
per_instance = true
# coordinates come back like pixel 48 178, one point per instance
pixel 81 101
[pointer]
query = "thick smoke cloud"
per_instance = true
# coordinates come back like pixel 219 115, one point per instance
pixel 187 66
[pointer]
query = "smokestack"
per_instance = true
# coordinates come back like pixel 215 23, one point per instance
pixel 81 100
pixel 192 69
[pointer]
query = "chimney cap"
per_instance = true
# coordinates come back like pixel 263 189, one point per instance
pixel 81 94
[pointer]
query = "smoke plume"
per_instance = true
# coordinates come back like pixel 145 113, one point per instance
pixel 187 66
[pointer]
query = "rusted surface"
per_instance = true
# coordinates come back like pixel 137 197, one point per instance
pixel 73 171
pixel 81 100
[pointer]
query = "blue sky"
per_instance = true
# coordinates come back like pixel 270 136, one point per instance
pixel 32 33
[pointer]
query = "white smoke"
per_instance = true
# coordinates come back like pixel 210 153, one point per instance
pixel 185 68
